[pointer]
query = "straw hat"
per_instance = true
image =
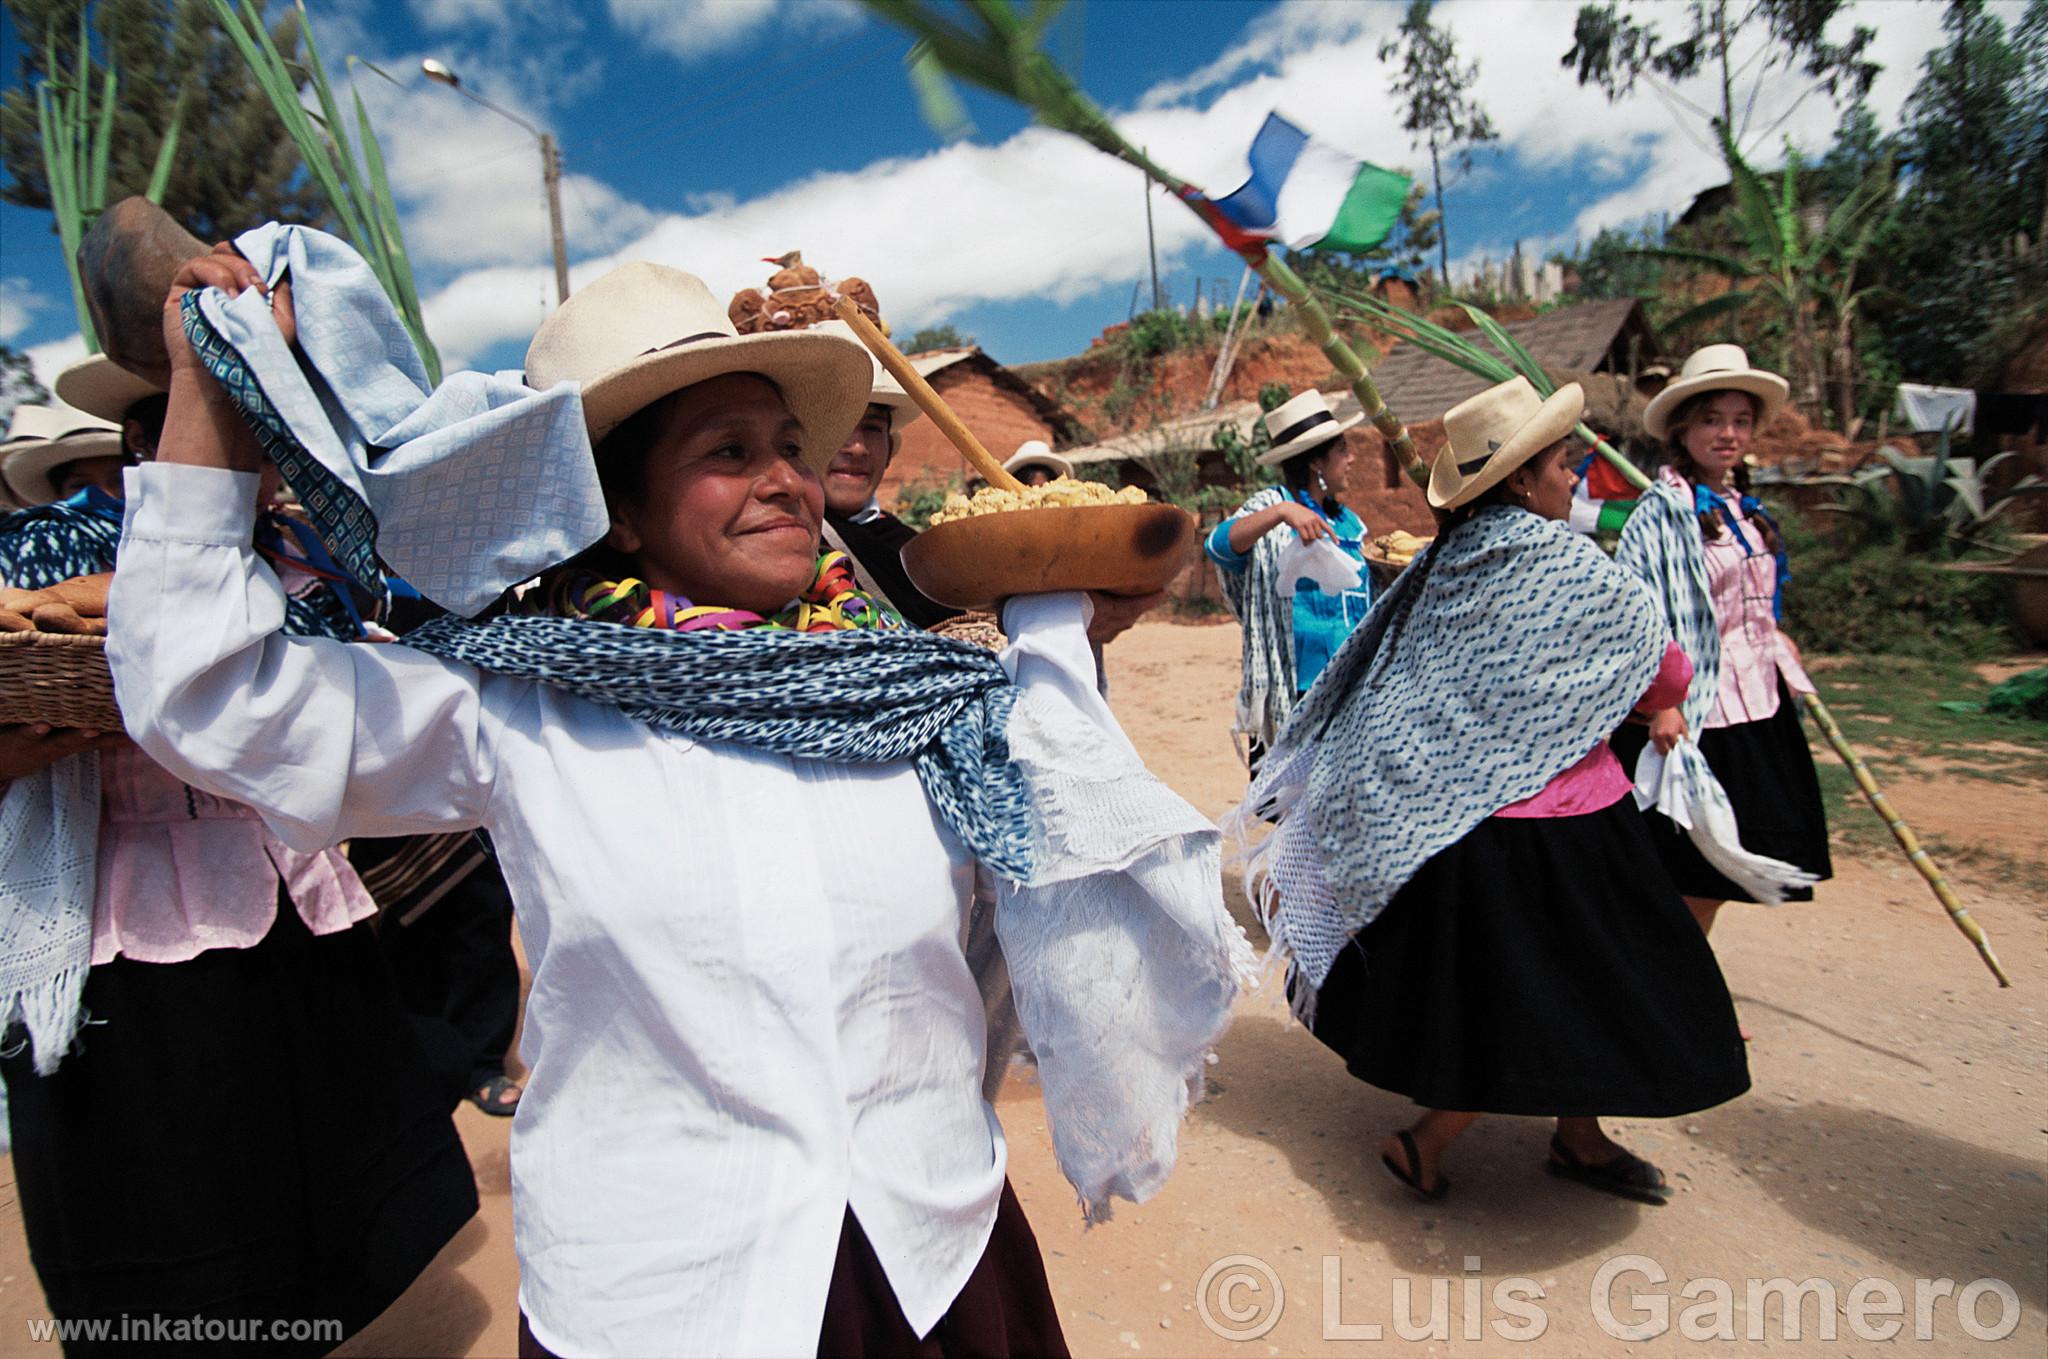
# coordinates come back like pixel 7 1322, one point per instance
pixel 886 390
pixel 646 330
pixel 1301 424
pixel 1716 368
pixel 1037 453
pixel 1493 433
pixel 44 438
pixel 99 386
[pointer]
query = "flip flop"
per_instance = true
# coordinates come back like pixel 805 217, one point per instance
pixel 1627 1176
pixel 490 1096
pixel 1413 1177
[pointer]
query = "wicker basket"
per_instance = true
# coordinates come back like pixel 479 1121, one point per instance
pixel 56 678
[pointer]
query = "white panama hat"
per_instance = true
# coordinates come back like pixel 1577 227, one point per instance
pixel 1716 368
pixel 99 386
pixel 1489 435
pixel 645 330
pixel 1302 424
pixel 1037 453
pixel 43 438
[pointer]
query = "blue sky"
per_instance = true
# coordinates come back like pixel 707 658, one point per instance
pixel 708 133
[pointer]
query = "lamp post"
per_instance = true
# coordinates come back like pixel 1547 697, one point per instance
pixel 550 166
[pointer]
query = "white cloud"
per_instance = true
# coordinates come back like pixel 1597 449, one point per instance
pixel 19 302
pixel 694 29
pixel 54 356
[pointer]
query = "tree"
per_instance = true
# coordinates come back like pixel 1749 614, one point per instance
pixel 1613 50
pixel 1434 87
pixel 18 385
pixel 235 167
pixel 1804 264
pixel 1966 245
pixel 935 337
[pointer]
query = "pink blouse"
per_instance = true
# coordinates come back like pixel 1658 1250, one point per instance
pixel 1753 652
pixel 181 871
pixel 1598 780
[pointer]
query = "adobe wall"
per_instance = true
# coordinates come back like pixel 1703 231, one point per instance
pixel 1000 418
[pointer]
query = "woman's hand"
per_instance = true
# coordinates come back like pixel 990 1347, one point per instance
pixel 31 749
pixel 226 270
pixel 1306 523
pixel 1113 614
pixel 1667 729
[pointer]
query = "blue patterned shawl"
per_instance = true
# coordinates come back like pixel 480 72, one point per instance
pixel 861 697
pixel 1470 685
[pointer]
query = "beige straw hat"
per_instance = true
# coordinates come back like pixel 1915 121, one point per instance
pixel 886 390
pixel 1037 453
pixel 1493 433
pixel 646 330
pixel 43 438
pixel 1716 368
pixel 99 386
pixel 1302 424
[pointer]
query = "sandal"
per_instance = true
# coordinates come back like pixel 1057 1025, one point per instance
pixel 1627 1176
pixel 491 1096
pixel 1412 1177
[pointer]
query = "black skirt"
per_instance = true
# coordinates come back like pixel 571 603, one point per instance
pixel 249 1134
pixel 1004 1311
pixel 1767 771
pixel 1538 966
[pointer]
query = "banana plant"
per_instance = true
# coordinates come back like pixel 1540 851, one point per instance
pixel 356 189
pixel 1930 501
pixel 76 131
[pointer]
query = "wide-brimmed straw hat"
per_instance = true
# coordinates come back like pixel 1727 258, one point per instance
pixel 885 390
pixel 1489 435
pixel 99 386
pixel 1716 368
pixel 1302 424
pixel 646 330
pixel 1037 453
pixel 43 438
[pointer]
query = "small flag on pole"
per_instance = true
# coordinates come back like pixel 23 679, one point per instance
pixel 1308 194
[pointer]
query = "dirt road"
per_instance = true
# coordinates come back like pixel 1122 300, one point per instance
pixel 1898 1131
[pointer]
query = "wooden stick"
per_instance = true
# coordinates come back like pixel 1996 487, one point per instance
pixel 930 402
pixel 1903 833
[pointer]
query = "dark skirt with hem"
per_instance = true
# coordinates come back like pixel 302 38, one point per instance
pixel 1767 770
pixel 1004 1311
pixel 248 1134
pixel 1538 966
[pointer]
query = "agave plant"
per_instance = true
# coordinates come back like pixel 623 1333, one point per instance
pixel 76 132
pixel 357 191
pixel 1931 501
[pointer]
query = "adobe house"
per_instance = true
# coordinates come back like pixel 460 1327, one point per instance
pixel 1001 408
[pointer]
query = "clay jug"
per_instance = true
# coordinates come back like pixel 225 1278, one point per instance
pixel 126 263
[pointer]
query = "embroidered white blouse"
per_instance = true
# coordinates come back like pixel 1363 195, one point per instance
pixel 750 1008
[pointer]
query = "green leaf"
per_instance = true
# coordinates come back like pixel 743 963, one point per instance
pixel 1522 360
pixel 1709 309
pixel 937 100
pixel 167 154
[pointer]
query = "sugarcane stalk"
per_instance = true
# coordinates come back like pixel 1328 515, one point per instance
pixel 1909 842
pixel 1343 358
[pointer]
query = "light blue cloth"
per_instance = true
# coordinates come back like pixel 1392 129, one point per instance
pixel 1321 621
pixel 465 490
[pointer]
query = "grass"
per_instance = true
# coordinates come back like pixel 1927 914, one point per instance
pixel 1890 709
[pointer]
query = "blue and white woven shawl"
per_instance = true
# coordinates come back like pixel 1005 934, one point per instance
pixel 1266 688
pixel 1520 647
pixel 1660 543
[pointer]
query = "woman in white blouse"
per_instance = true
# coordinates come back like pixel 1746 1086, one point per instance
pixel 754 1123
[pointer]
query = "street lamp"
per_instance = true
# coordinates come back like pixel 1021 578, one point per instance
pixel 550 166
